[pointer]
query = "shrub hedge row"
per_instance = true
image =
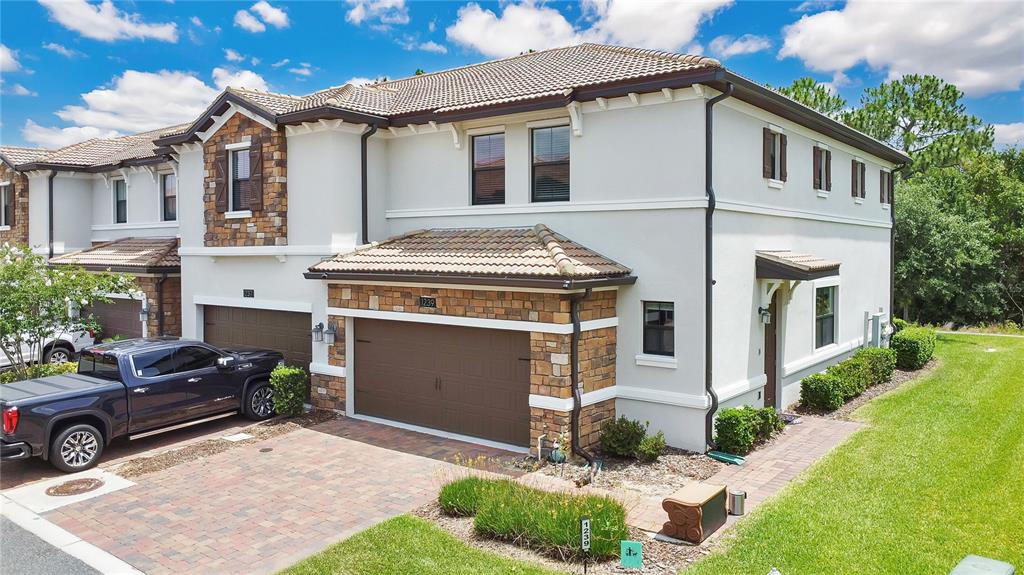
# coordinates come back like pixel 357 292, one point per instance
pixel 289 385
pixel 739 429
pixel 628 438
pixel 913 346
pixel 546 521
pixel 849 378
pixel 38 370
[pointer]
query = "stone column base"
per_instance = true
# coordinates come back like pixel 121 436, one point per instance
pixel 551 423
pixel 327 391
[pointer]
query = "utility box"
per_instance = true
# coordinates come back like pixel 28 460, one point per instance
pixel 976 565
pixel 694 512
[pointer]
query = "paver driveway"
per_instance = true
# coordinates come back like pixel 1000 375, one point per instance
pixel 261 507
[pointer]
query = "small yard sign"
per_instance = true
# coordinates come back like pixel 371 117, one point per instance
pixel 585 534
pixel 631 555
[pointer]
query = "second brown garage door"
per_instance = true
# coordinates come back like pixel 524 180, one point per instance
pixel 284 331
pixel 119 318
pixel 463 380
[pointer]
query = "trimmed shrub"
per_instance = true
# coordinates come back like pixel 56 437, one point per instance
pixel 289 385
pixel 768 423
pixel 881 362
pixel 821 391
pixel 735 430
pixel 462 497
pixel 37 370
pixel 855 375
pixel 898 324
pixel 622 436
pixel 651 448
pixel 550 522
pixel 913 346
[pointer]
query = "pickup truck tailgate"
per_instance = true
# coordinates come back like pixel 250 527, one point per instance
pixel 52 387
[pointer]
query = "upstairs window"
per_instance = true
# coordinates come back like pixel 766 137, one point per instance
pixel 6 206
pixel 169 195
pixel 822 169
pixel 824 316
pixel 489 169
pixel 885 186
pixel 120 202
pixel 239 179
pixel 773 155
pixel 858 172
pixel 550 151
pixel 659 328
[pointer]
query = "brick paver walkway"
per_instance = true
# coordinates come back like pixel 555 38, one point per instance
pixel 261 507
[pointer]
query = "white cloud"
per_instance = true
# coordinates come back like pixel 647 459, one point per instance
pixel 727 46
pixel 274 16
pixel 975 45
pixel 304 69
pixel 280 63
pixel 233 55
pixel 197 22
pixel 1009 134
pixel 813 5
pixel 105 22
pixel 528 25
pixel 53 137
pixel 360 81
pixel 62 50
pixel 223 78
pixel 254 61
pixel 8 59
pixel 15 90
pixel 431 46
pixel 246 21
pixel 381 12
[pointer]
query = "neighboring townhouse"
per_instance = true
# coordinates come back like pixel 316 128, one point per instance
pixel 14 193
pixel 529 247
pixel 109 204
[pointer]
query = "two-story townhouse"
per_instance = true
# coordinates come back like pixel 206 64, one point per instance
pixel 110 204
pixel 14 192
pixel 528 247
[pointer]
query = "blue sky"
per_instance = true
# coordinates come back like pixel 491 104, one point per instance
pixel 73 69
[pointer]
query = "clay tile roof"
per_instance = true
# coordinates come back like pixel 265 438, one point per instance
pixel 535 252
pixel 103 151
pixel 786 264
pixel 127 254
pixel 17 155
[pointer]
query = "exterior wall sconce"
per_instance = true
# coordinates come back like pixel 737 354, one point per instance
pixel 766 316
pixel 318 332
pixel 329 334
pixel 143 314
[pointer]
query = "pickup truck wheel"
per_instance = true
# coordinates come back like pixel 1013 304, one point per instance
pixel 57 354
pixel 77 448
pixel 259 401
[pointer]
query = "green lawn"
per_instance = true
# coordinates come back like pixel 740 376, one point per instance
pixel 408 545
pixel 937 475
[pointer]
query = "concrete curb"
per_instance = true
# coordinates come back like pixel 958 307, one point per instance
pixel 64 540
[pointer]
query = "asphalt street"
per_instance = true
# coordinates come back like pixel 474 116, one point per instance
pixel 22 553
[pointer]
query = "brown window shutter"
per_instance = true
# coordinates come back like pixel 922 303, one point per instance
pixel 782 157
pixel 220 182
pixel 816 162
pixel 892 185
pixel 12 198
pixel 766 154
pixel 828 170
pixel 853 178
pixel 863 179
pixel 254 195
pixel 883 187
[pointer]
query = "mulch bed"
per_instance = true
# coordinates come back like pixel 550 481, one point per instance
pixel 899 377
pixel 674 469
pixel 271 428
pixel 660 558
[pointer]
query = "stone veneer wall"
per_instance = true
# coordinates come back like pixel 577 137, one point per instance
pixel 18 234
pixel 266 227
pixel 550 370
pixel 172 305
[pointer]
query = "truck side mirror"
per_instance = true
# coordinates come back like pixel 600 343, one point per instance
pixel 225 362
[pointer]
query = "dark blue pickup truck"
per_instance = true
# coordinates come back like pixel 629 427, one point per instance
pixel 132 387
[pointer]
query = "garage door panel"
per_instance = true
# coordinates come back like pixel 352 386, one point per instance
pixel 283 331
pixel 120 317
pixel 484 385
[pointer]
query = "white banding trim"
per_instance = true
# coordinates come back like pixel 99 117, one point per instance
pixel 327 369
pixel 657 361
pixel 503 324
pixel 825 354
pixel 622 392
pixel 444 434
pixel 740 387
pixel 252 303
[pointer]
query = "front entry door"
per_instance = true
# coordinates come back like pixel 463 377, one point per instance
pixel 771 353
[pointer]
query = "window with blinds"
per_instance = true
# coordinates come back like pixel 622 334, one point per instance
pixel 120 202
pixel 488 169
pixel 239 178
pixel 550 151
pixel 169 193
pixel 6 205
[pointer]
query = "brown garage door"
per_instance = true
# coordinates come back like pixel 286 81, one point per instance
pixel 464 380
pixel 284 331
pixel 120 318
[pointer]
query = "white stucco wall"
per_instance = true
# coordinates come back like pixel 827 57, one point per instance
pixel 72 208
pixel 145 217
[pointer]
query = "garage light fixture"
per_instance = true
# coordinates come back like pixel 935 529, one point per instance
pixel 329 334
pixel 318 332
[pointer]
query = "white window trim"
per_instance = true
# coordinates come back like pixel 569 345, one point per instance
pixel 550 123
pixel 776 184
pixel 4 226
pixel 822 150
pixel 470 135
pixel 650 360
pixel 485 131
pixel 113 200
pixel 538 124
pixel 233 212
pixel 776 131
pixel 160 193
pixel 653 359
pixel 824 194
pixel 833 282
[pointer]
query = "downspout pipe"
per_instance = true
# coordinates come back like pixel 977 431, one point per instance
pixel 709 280
pixel 371 130
pixel 160 304
pixel 49 210
pixel 577 403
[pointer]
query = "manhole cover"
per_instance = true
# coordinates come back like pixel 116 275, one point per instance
pixel 74 487
pixel 266 450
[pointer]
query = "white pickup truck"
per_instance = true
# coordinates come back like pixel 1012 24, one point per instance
pixel 66 347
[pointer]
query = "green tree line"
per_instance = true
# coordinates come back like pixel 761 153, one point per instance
pixel 959 204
